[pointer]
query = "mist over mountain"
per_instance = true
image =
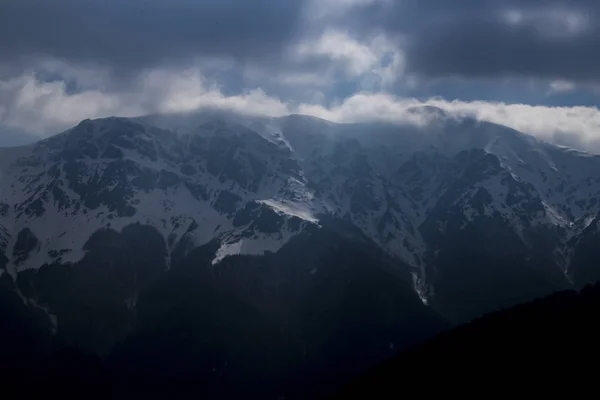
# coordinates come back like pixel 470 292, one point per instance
pixel 261 199
pixel 13 137
pixel 282 256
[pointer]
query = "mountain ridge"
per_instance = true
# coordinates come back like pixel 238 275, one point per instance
pixel 470 211
pixel 546 336
pixel 326 238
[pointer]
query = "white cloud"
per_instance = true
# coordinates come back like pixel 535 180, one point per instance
pixel 189 91
pixel 44 107
pixel 577 125
pixel 356 58
pixel 366 107
pixel 47 107
pixel 376 62
pixel 544 122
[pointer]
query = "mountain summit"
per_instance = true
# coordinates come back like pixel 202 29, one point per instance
pixel 451 188
pixel 368 235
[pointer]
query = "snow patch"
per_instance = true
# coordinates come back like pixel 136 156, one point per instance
pixel 228 250
pixel 256 245
pixel 301 210
pixel 420 287
pixel 588 221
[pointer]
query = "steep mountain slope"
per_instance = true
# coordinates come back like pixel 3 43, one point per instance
pixel 586 252
pixel 474 207
pixel 208 247
pixel 419 193
pixel 537 348
pixel 326 238
pixel 113 172
pixel 283 324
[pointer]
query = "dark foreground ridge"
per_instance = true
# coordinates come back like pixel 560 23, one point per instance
pixel 549 346
pixel 249 329
pixel 543 347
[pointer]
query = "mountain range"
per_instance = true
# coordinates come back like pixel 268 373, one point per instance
pixel 284 253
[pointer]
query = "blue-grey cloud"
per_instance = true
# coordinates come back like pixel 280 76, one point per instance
pixel 540 39
pixel 133 34
pixel 65 60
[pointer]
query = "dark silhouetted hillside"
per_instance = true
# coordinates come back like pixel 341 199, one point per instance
pixel 549 346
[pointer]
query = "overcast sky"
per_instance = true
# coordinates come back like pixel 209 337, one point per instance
pixel 530 64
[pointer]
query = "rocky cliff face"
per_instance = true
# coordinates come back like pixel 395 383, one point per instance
pixel 313 228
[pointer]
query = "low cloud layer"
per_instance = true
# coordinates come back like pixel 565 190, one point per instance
pixel 44 108
pixel 62 61
pixel 573 126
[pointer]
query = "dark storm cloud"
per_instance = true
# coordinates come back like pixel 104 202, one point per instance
pixel 546 39
pixel 133 34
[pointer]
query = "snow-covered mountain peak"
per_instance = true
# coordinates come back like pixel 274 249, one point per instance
pixel 251 184
pixel 191 187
